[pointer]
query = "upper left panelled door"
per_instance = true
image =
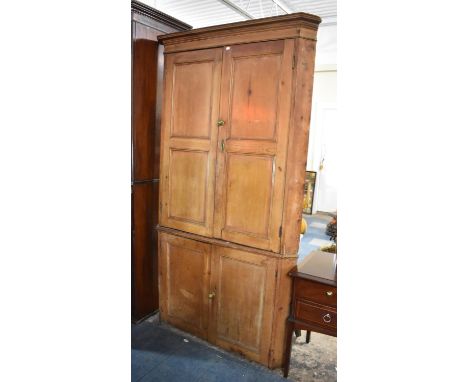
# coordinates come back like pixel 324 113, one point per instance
pixel 189 138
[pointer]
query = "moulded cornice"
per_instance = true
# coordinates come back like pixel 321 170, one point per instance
pixel 154 14
pixel 297 20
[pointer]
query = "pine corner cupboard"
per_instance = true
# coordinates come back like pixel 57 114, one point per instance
pixel 234 137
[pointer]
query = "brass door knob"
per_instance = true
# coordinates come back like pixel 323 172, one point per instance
pixel 211 295
pixel 220 122
pixel 329 293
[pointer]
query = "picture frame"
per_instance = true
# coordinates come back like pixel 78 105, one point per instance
pixel 309 191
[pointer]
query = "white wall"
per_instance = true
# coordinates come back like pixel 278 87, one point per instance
pixel 323 129
pixel 324 95
pixel 326 46
pixel 324 91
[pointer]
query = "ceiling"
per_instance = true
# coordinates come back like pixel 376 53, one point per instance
pixel 202 13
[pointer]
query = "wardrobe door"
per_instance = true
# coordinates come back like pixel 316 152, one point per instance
pixel 241 317
pixel 189 134
pixel 255 107
pixel 183 283
pixel 144 253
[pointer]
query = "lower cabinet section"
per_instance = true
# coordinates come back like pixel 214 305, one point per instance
pixel 233 298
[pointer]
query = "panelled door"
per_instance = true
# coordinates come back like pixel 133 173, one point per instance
pixel 189 125
pixel 252 142
pixel 241 315
pixel 183 282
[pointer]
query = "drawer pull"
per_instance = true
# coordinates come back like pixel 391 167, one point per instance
pixel 329 293
pixel 327 318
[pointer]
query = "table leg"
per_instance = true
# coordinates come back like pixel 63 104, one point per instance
pixel 287 353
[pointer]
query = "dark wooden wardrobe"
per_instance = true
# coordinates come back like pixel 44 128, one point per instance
pixel 147 68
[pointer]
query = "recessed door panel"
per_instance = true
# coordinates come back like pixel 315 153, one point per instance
pixel 189 137
pixel 236 323
pixel 192 99
pixel 242 309
pixel 255 96
pixel 252 143
pixel 249 193
pixel 185 266
pixel 187 191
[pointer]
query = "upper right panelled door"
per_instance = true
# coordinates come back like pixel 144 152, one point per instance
pixel 255 105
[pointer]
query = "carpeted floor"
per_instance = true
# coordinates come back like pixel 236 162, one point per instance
pixel 162 353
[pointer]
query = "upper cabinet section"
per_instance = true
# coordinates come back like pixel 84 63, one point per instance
pixel 232 167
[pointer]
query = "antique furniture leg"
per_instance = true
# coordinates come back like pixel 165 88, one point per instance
pixel 297 332
pixel 308 337
pixel 287 353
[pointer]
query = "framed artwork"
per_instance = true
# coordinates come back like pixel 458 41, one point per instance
pixel 309 188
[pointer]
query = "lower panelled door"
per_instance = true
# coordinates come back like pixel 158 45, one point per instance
pixel 241 312
pixel 184 267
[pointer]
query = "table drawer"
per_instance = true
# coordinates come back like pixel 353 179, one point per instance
pixel 320 293
pixel 307 312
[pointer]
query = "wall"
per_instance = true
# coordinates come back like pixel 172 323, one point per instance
pixel 323 129
pixel 324 95
pixel 326 46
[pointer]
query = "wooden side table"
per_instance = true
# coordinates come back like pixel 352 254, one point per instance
pixel 313 304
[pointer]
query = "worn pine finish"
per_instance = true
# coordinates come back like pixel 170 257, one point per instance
pixel 242 312
pixel 293 26
pixel 224 243
pixel 298 145
pixel 236 114
pixel 191 108
pixel 184 269
pixel 147 72
pixel 251 168
pixel 281 311
pixel 230 296
pixel 262 100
